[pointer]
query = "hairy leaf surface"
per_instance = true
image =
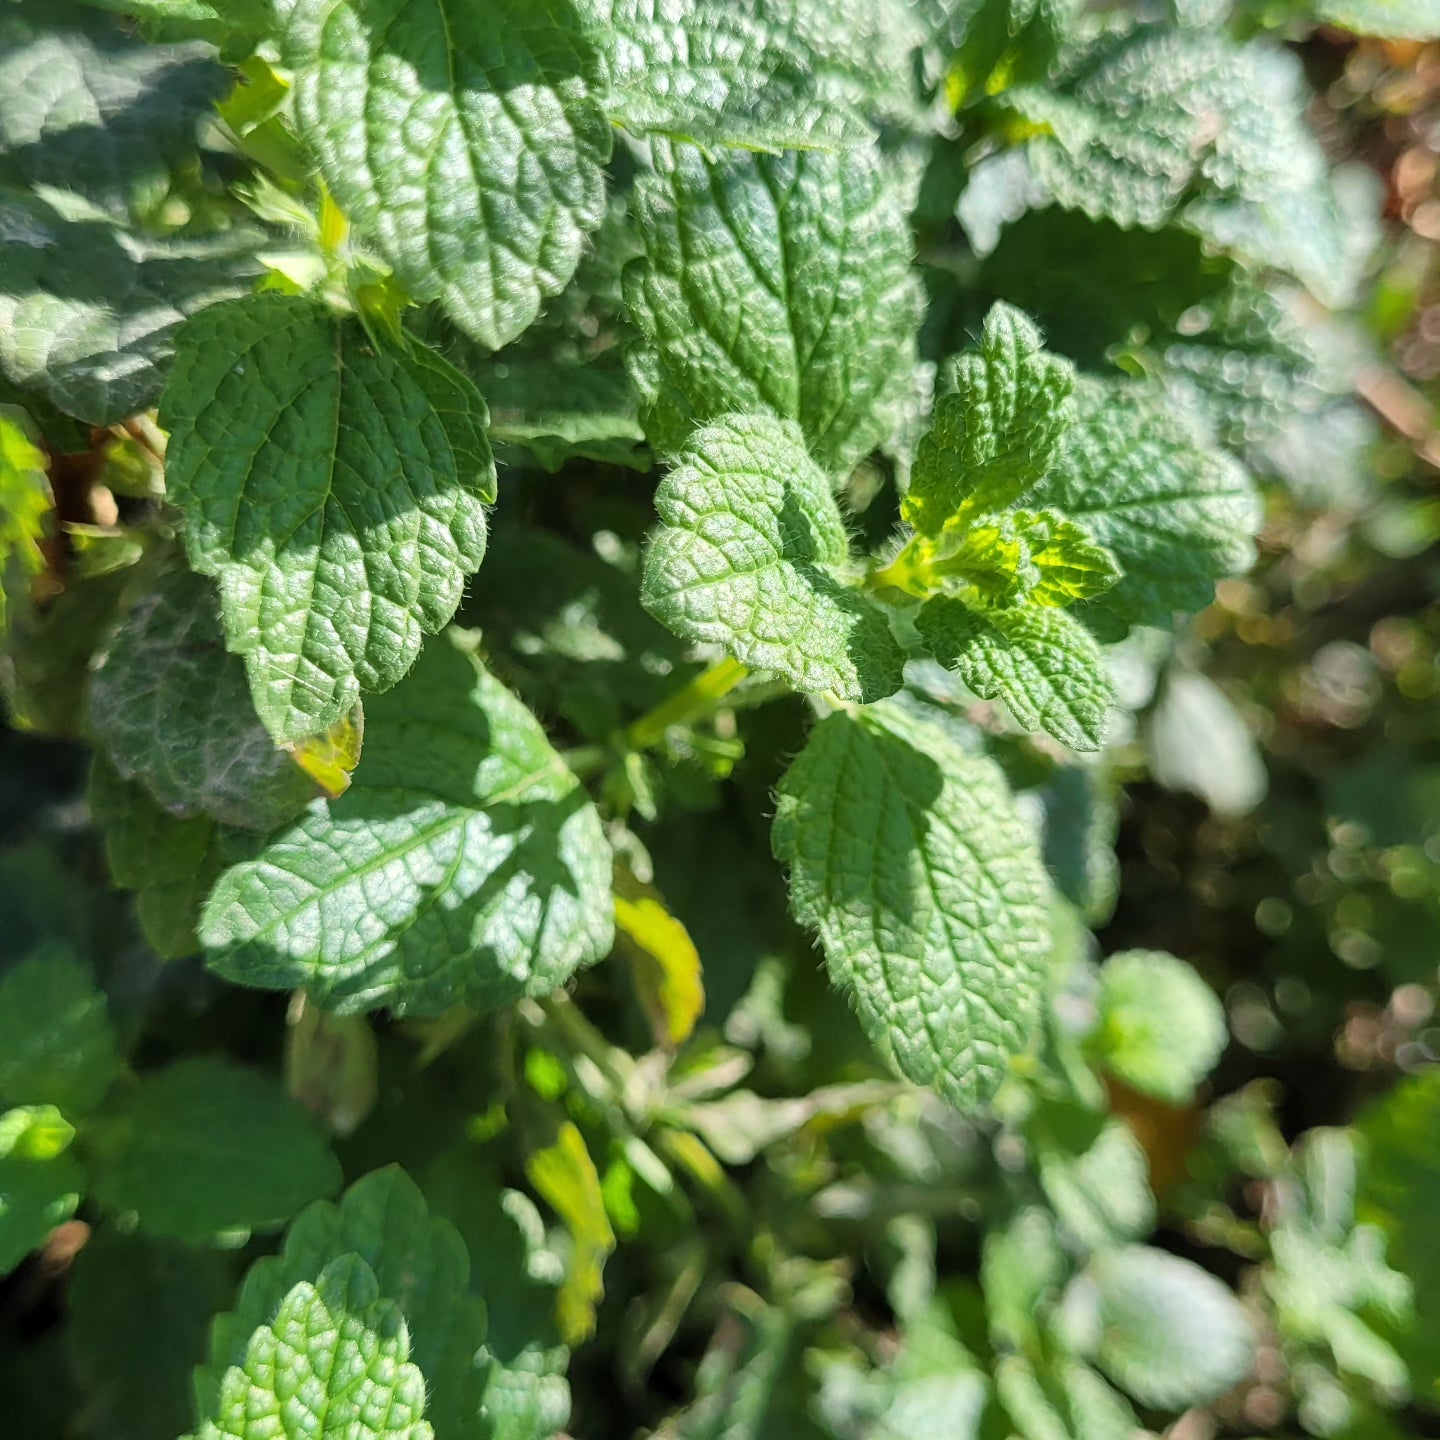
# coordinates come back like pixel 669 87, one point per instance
pixel 1041 662
pixel 908 858
pixel 467 140
pixel 464 865
pixel 335 489
pixel 774 282
pixel 750 555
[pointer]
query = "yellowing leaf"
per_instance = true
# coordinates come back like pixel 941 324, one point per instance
pixel 664 962
pixel 330 757
pixel 566 1177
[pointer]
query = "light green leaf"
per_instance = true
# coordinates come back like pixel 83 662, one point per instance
pixel 88 312
pixel 1199 742
pixel 997 429
pixel 1161 1028
pixel 26 506
pixel 1069 565
pixel 420 1266
pixel 1169 1332
pixel 1063 1400
pixel 907 856
pixel 1021 1265
pixel 138 1312
pixel 169 862
pixel 205 1146
pixel 751 556
pixel 467 141
pixel 719 73
pixel 336 489
pixel 476 862
pixel 774 282
pixel 567 1180
pixel 1385 19
pixel 40 1185
pixel 1002 43
pixel 57 1046
pixel 1093 1172
pixel 1176 514
pixel 331 1365
pixel 99 112
pixel 1043 664
pixel 171 708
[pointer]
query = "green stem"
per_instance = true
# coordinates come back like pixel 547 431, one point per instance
pixel 690 703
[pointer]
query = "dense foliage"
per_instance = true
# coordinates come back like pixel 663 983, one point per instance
pixel 614 818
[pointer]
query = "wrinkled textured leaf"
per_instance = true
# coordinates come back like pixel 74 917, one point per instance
pixel 331 1365
pixel 1043 664
pixel 996 432
pixel 720 73
pixel 421 1267
pixel 205 1146
pixel 751 556
pixel 168 861
pixel 88 312
pixel 467 141
pixel 774 282
pixel 57 1046
pixel 1176 514
pixel 907 856
pixel 336 490
pixel 40 1184
pixel 99 112
pixel 139 1309
pixel 1161 1028
pixel 1170 1333
pixel 171 707
pixel 475 862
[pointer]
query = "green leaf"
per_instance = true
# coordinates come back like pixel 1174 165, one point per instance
pixel 420 1266
pixel 139 1309
pixel 566 1178
pixel 467 142
pixel 171 707
pixel 1170 1333
pixel 26 506
pixel 774 282
pixel 57 1046
pixel 751 556
pixel 331 1365
pixel 1004 43
pixel 1385 19
pixel 205 1146
pixel 1061 1400
pixel 96 111
pixel 1176 514
pixel 1043 664
pixel 335 487
pixel 169 862
pixel 1069 565
pixel 492 863
pixel 1021 1266
pixel 907 856
pixel 1199 742
pixel 1093 1172
pixel 40 1185
pixel 719 74
pixel 88 312
pixel 1161 1028
pixel 1399 1176
pixel 996 431
pixel 1161 124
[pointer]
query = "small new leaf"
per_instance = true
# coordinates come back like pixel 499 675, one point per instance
pixel 1040 661
pixel 333 1364
pixel 466 140
pixel 996 432
pixel 751 557
pixel 908 858
pixel 171 707
pixel 476 864
pixel 336 489
pixel 774 282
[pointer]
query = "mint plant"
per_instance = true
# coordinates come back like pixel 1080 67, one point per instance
pixel 526 522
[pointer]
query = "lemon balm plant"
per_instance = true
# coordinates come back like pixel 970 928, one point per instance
pixel 542 515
